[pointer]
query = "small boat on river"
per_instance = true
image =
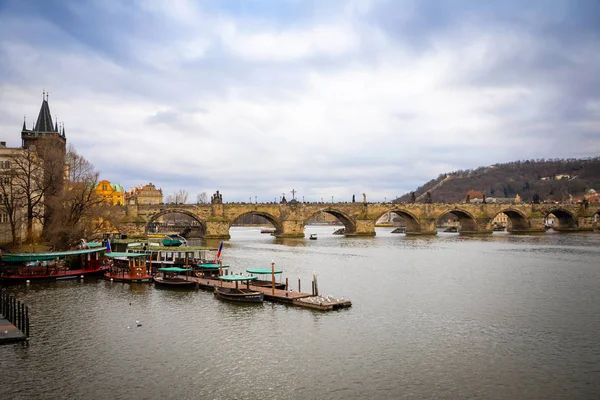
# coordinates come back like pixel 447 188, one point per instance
pixel 52 265
pixel 171 278
pixel 173 241
pixel 313 236
pixel 237 294
pixel 266 282
pixel 128 267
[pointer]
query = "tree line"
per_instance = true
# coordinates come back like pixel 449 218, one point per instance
pixel 548 179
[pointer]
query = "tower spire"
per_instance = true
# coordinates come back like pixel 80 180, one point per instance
pixel 56 124
pixel 24 127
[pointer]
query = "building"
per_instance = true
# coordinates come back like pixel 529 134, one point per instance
pixel 147 194
pixel 111 193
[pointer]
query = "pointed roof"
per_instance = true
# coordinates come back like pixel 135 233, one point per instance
pixel 24 127
pixel 44 120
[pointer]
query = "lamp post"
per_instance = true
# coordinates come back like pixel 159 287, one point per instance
pixel 273 277
pixel 331 199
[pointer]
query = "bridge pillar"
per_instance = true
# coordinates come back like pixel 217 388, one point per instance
pixel 217 229
pixel 536 224
pixel 364 227
pixel 291 229
pixel 426 227
pixel 585 223
pixel 483 227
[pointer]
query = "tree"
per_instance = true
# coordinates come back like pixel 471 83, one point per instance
pixel 413 197
pixel 74 213
pixel 202 198
pixel 11 199
pixel 28 186
pixel 179 197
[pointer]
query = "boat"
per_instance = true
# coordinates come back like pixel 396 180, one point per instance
pixel 265 282
pixel 209 270
pixel 171 278
pixel 173 241
pixel 267 230
pixel 52 265
pixel 237 294
pixel 128 267
pixel 451 229
pixel 313 236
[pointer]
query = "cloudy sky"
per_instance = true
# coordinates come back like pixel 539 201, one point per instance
pixel 330 98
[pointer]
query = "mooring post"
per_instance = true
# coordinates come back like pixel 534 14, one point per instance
pixel 299 291
pixel 286 283
pixel 21 317
pixel 26 321
pixel 313 288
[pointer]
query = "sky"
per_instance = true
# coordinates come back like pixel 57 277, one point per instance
pixel 327 98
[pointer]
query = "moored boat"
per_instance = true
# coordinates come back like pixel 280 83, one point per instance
pixel 52 266
pixel 128 267
pixel 173 241
pixel 171 278
pixel 237 294
pixel 266 282
pixel 313 236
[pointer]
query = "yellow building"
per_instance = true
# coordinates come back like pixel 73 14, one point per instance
pixel 111 193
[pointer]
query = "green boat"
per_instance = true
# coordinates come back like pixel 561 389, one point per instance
pixel 237 294
pixel 173 241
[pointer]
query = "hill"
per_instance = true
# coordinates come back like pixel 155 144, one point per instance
pixel 552 180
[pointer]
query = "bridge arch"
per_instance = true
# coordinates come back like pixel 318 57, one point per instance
pixel 413 225
pixel 566 220
pixel 468 223
pixel 349 224
pixel 156 216
pixel 518 222
pixel 273 220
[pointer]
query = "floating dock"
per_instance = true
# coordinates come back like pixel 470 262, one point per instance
pixel 290 297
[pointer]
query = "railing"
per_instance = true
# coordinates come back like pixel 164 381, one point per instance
pixel 15 312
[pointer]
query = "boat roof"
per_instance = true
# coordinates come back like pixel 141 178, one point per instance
pixel 263 271
pixel 211 266
pixel 174 269
pixel 115 254
pixel 51 255
pixel 237 278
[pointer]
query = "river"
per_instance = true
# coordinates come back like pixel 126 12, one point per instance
pixel 446 317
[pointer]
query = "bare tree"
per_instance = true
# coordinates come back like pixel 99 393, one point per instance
pixel 179 197
pixel 202 198
pixel 73 207
pixel 28 185
pixel 11 199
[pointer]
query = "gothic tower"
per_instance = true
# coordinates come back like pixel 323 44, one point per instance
pixel 44 128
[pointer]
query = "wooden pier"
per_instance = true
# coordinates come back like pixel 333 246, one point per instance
pixel 14 320
pixel 290 297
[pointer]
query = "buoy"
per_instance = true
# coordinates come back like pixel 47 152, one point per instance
pixel 138 323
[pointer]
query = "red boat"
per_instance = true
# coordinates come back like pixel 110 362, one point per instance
pixel 52 266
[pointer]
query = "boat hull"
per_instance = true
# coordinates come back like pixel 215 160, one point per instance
pixel 173 283
pixel 52 277
pixel 239 295
pixel 128 279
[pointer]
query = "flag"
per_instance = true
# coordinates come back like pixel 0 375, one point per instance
pixel 219 252
pixel 108 250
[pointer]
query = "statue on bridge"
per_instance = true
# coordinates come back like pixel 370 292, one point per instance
pixel 353 198
pixel 283 200
pixel 364 197
pixel 216 198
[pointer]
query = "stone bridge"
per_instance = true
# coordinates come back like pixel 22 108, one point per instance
pixel 289 219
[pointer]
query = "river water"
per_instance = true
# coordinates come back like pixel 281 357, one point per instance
pixel 446 317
